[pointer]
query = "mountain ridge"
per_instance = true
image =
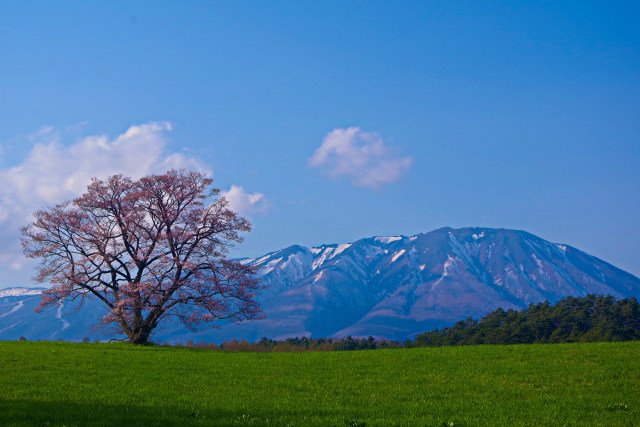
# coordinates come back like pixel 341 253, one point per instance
pixel 399 286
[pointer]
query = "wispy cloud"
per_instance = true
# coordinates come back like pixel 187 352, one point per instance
pixel 361 156
pixel 244 202
pixel 42 132
pixel 54 171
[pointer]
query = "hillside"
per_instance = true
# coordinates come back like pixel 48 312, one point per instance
pixel 51 383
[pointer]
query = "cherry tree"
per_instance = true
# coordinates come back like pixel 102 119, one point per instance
pixel 149 249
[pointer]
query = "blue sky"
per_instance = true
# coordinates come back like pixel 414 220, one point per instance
pixel 500 114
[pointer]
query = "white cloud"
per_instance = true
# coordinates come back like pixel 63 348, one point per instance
pixel 362 156
pixel 53 172
pixel 243 202
pixel 42 132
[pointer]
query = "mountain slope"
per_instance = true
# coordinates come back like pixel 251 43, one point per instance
pixel 397 287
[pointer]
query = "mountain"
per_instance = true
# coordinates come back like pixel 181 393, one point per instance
pixel 393 287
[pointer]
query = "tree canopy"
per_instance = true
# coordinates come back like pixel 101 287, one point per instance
pixel 149 249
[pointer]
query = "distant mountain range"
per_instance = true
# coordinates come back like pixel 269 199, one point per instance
pixel 393 287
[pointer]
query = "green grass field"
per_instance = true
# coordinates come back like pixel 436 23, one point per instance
pixel 55 383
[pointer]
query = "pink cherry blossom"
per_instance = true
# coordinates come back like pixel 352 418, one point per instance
pixel 150 250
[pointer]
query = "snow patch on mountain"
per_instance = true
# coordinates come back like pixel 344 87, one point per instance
pixel 397 255
pixel 446 266
pixel 541 267
pixel 20 292
pixel 13 325
pixel 326 253
pixel 318 277
pixel 65 324
pixel 388 239
pixel 341 248
pixel 268 267
pixel 15 308
pixel 265 257
pixel 466 252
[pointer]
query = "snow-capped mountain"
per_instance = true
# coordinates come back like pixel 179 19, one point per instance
pixel 394 287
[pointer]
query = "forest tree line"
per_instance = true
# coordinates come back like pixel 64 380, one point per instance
pixel 572 319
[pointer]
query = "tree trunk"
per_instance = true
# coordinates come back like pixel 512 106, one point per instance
pixel 140 336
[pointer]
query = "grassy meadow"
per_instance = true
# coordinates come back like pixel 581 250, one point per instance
pixel 57 383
